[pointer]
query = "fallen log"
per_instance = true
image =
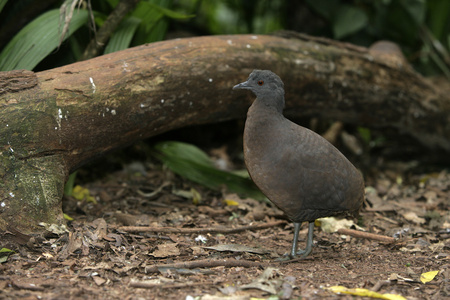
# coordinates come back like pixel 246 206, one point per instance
pixel 54 121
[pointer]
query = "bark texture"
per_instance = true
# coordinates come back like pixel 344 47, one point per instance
pixel 54 121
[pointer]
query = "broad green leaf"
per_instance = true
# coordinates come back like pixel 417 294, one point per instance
pixel 37 40
pixel 112 3
pixel 169 13
pixel 158 31
pixel 68 187
pixel 154 24
pixel 347 20
pixel 438 15
pixel 184 151
pixel 149 18
pixel 192 163
pixel 2 4
pixel 122 37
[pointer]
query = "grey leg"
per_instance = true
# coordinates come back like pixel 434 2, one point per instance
pixel 295 241
pixel 309 240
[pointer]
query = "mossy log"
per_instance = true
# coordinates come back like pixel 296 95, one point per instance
pixel 54 121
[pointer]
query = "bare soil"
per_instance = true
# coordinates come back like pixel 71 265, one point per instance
pixel 187 250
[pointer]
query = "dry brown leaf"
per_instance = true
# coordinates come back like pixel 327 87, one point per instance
pixel 166 250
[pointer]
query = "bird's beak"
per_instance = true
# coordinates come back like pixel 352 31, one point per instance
pixel 243 85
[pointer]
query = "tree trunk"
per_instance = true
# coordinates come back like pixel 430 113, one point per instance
pixel 54 121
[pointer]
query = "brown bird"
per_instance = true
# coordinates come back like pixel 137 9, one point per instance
pixel 297 169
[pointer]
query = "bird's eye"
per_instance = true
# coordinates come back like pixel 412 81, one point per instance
pixel 261 82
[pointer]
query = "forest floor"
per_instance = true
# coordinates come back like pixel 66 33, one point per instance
pixel 183 250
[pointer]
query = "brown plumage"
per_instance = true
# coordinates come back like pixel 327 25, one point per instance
pixel 297 169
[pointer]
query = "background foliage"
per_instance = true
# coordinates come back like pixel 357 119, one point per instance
pixel 32 30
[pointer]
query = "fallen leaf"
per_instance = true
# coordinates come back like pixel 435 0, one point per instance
pixel 54 228
pixel 166 250
pixel 265 282
pixel 196 197
pixel 82 194
pixel 413 217
pixel 331 224
pixel 230 202
pixel 67 217
pixel 47 255
pixel 428 276
pixel 198 251
pixel 397 277
pixel 228 289
pixel 364 293
pixel 98 280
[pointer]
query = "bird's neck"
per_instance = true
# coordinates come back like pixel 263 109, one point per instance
pixel 270 103
pixel 264 113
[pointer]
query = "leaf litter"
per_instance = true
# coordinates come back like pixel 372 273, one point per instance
pixel 100 259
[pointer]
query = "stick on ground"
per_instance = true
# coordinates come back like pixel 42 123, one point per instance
pixel 367 235
pixel 199 230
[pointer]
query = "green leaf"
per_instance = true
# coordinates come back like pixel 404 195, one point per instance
pixel 122 37
pixel 153 25
pixel 149 19
pixel 169 13
pixel 365 134
pixel 67 217
pixel 4 254
pixel 438 14
pixel 37 40
pixel 6 250
pixel 347 20
pixel 113 3
pixel 184 151
pixel 448 41
pixel 2 4
pixel 68 187
pixel 192 163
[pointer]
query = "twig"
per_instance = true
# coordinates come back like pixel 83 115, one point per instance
pixel 206 263
pixel 381 284
pixel 199 230
pixel 367 235
pixel 108 27
pixel 333 132
pixel 149 285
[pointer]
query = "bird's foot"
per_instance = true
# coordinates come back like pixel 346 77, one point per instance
pixel 304 253
pixel 285 257
pixel 288 257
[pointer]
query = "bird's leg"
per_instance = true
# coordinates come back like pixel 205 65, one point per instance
pixel 295 241
pixel 309 240
pixel 309 243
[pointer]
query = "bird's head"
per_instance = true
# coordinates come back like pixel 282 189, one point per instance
pixel 266 85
